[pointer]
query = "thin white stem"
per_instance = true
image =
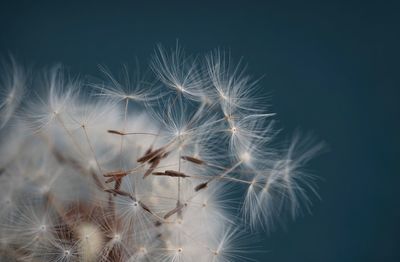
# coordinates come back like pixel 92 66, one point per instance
pixel 123 130
pixel 58 118
pixel 91 149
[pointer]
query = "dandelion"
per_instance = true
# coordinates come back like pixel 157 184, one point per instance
pixel 181 167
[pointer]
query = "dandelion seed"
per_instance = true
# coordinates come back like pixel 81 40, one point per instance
pixel 116 132
pixel 174 211
pixel 193 160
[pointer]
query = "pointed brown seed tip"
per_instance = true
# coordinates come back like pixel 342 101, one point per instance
pixel 116 174
pixel 116 132
pixel 119 192
pixel 148 172
pixel 118 183
pixel 148 150
pixel 158 174
pixel 193 160
pixel 155 159
pixel 156 162
pixel 149 156
pixel 145 207
pixel 201 186
pixel 170 173
pixel 173 211
pixel 175 173
pixel 153 166
pixel 165 155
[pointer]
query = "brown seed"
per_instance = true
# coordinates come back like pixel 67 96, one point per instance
pixel 201 186
pixel 116 132
pixel 193 160
pixel 116 174
pixel 145 207
pixel 170 173
pixel 175 173
pixel 175 210
pixel 165 155
pixel 154 159
pixel 118 183
pixel 152 167
pixel 119 192
pixel 150 155
pixel 148 172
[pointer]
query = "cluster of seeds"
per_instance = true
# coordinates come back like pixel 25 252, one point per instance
pixel 182 166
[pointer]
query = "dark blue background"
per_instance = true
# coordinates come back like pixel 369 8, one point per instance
pixel 331 68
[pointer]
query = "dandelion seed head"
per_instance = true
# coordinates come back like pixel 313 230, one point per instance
pixel 135 168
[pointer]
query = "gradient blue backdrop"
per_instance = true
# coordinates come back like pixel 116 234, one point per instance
pixel 331 67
